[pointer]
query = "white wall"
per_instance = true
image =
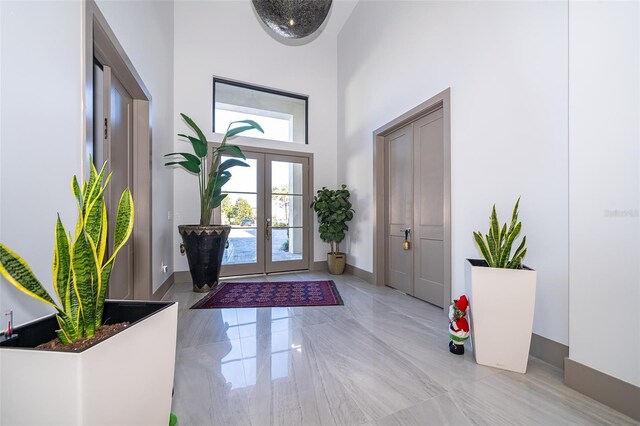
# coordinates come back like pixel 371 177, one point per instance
pixel 506 64
pixel 224 38
pixel 604 186
pixel 145 31
pixel 41 110
pixel 40 137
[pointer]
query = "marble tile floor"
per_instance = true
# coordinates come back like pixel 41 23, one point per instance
pixel 381 359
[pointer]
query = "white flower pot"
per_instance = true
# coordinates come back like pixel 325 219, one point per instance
pixel 126 379
pixel 501 305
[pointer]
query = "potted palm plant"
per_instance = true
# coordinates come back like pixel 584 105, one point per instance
pixel 87 377
pixel 502 293
pixel 334 211
pixel 204 243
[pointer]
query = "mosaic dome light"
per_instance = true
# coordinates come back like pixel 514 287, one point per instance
pixel 292 19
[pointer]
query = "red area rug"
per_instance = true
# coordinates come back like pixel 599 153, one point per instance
pixel 271 294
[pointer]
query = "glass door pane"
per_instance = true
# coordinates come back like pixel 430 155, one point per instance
pixel 288 211
pixel 242 209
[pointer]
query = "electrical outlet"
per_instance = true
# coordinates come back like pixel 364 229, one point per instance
pixel 169 215
pixel 163 268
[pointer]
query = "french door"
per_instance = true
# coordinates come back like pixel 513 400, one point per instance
pixel 267 207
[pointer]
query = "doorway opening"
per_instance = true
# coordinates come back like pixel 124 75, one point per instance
pixel 117 106
pixel 412 189
pixel 267 206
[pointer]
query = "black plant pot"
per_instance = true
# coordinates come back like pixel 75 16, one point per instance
pixel 204 246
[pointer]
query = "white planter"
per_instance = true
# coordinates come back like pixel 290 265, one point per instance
pixel 501 305
pixel 126 379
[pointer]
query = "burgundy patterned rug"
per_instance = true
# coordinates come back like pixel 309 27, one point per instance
pixel 271 294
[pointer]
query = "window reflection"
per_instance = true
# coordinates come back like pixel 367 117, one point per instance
pixel 263 336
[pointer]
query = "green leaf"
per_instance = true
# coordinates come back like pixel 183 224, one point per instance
pixel 186 165
pixel 67 328
pixel 251 124
pixel 85 274
pixel 217 200
pixel 105 276
pixel 93 219
pixel 221 181
pixel 521 251
pixel 506 252
pixel 62 334
pixel 231 162
pixel 195 128
pixel 17 272
pixel 237 130
pixel 199 147
pixel 102 242
pixel 483 246
pixel 97 189
pixel 189 157
pixel 235 150
pixel 77 192
pixel 61 262
pixel 124 221
pixel 72 308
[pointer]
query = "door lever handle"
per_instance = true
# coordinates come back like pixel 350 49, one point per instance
pixel 406 245
pixel 267 230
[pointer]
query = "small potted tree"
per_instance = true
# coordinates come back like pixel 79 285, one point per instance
pixel 205 243
pixel 334 211
pixel 104 362
pixel 502 294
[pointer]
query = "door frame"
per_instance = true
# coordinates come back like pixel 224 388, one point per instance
pixel 380 196
pixel 100 42
pixel 310 218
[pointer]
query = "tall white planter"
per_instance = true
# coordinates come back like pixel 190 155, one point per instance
pixel 126 379
pixel 502 303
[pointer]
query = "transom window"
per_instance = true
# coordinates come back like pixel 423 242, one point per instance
pixel 282 115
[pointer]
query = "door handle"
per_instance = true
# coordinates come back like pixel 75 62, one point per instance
pixel 406 244
pixel 267 230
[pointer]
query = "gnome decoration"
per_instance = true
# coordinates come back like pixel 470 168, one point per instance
pixel 458 325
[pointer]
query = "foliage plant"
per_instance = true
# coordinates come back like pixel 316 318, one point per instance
pixel 237 212
pixel 214 174
pixel 81 269
pixel 496 245
pixel 334 211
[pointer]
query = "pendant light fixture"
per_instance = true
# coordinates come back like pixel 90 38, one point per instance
pixel 292 19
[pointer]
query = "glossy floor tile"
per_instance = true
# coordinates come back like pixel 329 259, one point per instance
pixel 380 359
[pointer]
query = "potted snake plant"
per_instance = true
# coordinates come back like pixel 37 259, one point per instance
pixel 85 376
pixel 501 292
pixel 334 211
pixel 204 243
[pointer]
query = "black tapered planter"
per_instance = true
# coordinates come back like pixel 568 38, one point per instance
pixel 204 246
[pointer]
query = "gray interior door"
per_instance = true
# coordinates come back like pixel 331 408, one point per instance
pixel 399 212
pixel 416 166
pixel 118 150
pixel 428 212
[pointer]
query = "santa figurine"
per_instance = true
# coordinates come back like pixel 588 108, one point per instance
pixel 458 325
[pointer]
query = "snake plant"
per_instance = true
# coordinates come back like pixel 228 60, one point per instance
pixel 496 245
pixel 211 181
pixel 81 269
